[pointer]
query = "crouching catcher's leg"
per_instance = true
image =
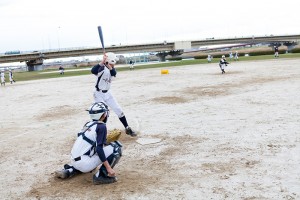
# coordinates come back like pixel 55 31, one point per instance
pixel 101 177
pixel 67 172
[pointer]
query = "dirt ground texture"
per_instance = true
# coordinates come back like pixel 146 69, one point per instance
pixel 230 136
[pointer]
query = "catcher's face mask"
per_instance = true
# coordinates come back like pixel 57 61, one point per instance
pixel 97 110
pixel 106 117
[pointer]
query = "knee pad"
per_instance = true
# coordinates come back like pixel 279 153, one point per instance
pixel 114 158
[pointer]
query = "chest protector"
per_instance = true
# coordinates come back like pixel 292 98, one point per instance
pixel 86 141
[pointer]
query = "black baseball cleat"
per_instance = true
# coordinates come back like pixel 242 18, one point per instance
pixel 66 166
pixel 130 132
pixel 104 180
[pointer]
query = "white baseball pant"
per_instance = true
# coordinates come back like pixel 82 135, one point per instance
pixel 109 100
pixel 88 164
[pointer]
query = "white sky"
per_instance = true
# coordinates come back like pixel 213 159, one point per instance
pixel 29 25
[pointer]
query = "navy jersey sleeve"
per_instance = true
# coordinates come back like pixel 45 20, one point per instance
pixel 97 68
pixel 113 72
pixel 101 140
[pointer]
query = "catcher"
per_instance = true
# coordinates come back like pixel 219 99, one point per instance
pixel 90 149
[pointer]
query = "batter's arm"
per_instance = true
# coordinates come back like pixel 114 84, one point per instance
pixel 113 72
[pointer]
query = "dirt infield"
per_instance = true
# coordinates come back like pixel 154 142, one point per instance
pixel 231 136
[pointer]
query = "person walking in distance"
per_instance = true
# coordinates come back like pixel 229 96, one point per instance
pixel 11 76
pixel 276 52
pixel 104 72
pixel 2 78
pixel 131 63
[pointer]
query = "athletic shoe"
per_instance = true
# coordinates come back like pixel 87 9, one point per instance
pixel 130 132
pixel 62 174
pixel 104 180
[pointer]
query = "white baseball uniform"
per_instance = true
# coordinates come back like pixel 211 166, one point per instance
pixel 2 78
pixel 236 56
pixel 223 62
pixel 209 58
pixel 230 55
pixel 83 154
pixel 11 76
pixel 102 92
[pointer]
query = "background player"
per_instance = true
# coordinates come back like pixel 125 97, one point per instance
pixel 236 56
pixel 104 72
pixel 276 52
pixel 230 55
pixel 223 62
pixel 209 57
pixel 2 75
pixel 61 70
pixel 131 65
pixel 11 77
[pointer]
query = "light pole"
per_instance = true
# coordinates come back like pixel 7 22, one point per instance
pixel 58 29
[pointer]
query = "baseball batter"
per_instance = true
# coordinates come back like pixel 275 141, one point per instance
pixel 104 72
pixel 90 151
pixel 2 78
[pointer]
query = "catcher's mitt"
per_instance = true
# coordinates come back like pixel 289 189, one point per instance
pixel 113 136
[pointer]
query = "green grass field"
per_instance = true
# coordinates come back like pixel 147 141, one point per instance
pixel 36 75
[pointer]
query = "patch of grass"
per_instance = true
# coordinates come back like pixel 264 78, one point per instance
pixel 36 75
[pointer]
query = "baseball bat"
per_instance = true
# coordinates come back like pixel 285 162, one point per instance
pixel 101 38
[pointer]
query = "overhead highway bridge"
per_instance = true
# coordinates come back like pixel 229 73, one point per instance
pixel 36 58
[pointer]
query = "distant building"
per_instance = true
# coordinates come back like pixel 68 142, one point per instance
pixel 12 52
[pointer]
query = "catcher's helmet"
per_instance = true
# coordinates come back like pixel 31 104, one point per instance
pixel 96 110
pixel 111 58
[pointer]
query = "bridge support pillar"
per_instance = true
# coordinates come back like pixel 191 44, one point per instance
pixel 162 56
pixel 290 45
pixel 30 68
pixel 35 65
pixel 274 44
pixel 174 53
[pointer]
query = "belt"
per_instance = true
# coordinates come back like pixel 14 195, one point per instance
pixel 104 91
pixel 78 158
pixel 86 154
